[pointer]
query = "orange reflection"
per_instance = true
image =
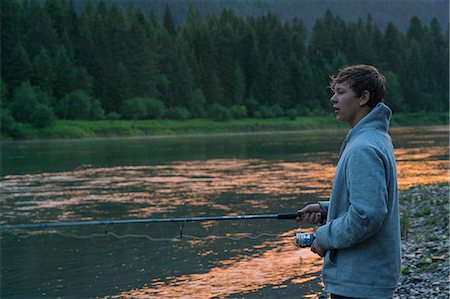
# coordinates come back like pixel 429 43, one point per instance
pixel 419 166
pixel 242 274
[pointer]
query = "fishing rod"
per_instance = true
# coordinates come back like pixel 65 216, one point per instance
pixel 148 220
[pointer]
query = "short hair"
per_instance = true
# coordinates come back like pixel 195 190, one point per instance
pixel 362 77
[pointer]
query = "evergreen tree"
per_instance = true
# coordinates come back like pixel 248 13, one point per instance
pixel 416 30
pixel 43 74
pixel 394 98
pixel 168 22
pixel 37 30
pixel 412 78
pixel 65 74
pixel 181 81
pixel 141 61
pixel 10 38
pixel 116 33
pixel 238 87
pixel 122 90
pixel 392 48
pixel 19 68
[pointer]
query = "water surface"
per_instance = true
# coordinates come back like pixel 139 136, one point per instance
pixel 101 179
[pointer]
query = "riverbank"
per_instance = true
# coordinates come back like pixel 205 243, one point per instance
pixel 61 129
pixel 425 242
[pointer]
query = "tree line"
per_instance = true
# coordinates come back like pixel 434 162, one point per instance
pixel 114 63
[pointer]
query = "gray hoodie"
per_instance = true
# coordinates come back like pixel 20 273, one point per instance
pixel 362 232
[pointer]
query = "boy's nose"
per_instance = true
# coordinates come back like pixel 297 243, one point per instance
pixel 333 99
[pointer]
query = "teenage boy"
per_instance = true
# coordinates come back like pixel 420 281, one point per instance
pixel 361 238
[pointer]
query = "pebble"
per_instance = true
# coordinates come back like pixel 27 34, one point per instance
pixel 425 263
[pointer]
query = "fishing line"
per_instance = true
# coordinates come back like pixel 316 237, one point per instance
pixel 25 235
pixel 184 220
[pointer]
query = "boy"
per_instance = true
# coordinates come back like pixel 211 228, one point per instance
pixel 361 238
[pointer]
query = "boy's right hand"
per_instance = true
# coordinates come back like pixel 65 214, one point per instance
pixel 311 214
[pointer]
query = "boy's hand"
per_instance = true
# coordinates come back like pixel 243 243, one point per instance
pixel 317 250
pixel 311 214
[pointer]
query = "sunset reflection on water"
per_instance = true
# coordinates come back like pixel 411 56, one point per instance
pixel 283 263
pixel 209 187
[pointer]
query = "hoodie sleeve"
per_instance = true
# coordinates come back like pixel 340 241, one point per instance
pixel 367 188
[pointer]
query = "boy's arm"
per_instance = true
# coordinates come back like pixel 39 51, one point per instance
pixel 366 184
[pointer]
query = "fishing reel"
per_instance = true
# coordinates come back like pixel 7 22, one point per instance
pixel 304 239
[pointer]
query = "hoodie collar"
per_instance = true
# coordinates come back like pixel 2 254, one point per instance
pixel 377 119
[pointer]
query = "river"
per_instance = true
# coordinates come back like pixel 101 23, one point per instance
pixel 178 176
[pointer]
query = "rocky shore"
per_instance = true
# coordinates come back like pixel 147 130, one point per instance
pixel 425 243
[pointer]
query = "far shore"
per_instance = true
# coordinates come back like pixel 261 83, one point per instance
pixel 84 129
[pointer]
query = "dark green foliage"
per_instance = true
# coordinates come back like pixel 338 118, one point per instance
pixel 142 108
pixel 238 111
pixel 266 112
pixel 219 112
pixel 128 64
pixel 251 105
pixel 197 104
pixel 20 67
pixel 178 113
pixel 25 100
pixel 75 105
pixel 42 116
pixel 134 109
pixel 155 108
pixel 7 122
pixel 43 72
pixel 292 114
pixel 96 111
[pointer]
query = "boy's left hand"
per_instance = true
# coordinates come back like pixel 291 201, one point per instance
pixel 317 250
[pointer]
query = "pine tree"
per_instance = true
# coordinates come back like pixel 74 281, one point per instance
pixel 122 91
pixel 20 68
pixel 392 48
pixel 239 87
pixel 416 30
pixel 168 22
pixel 116 33
pixel 65 74
pixel 10 29
pixel 141 61
pixel 43 74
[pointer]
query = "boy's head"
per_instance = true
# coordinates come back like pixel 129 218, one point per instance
pixel 362 77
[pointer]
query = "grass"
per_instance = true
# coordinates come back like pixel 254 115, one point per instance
pixel 111 128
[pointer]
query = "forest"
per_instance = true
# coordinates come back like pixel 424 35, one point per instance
pixel 108 62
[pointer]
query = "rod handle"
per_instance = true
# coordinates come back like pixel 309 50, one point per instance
pixel 287 216
pixel 295 215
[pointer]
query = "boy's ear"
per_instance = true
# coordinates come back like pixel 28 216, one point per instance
pixel 365 97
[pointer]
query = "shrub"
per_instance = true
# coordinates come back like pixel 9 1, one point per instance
pixel 134 108
pixel 42 116
pixel 252 106
pixel 24 102
pixel 238 111
pixel 75 105
pixel 97 111
pixel 154 108
pixel 266 112
pixel 178 113
pixel 6 122
pixel 292 114
pixel 197 104
pixel 303 110
pixel 113 116
pixel 219 112
pixel 30 105
pixel 277 110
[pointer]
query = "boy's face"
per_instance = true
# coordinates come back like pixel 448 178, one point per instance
pixel 347 105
